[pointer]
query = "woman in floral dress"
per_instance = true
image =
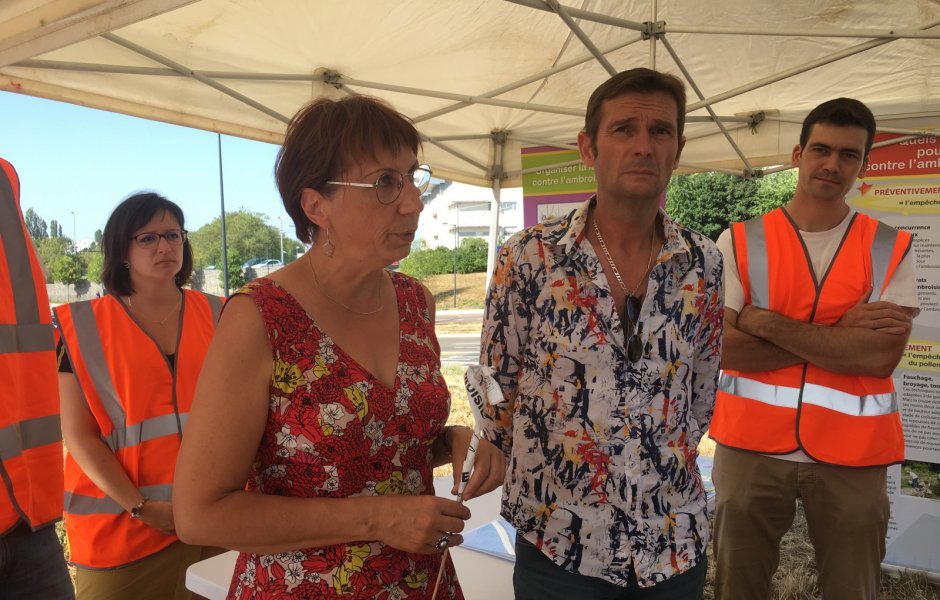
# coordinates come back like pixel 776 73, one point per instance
pixel 323 388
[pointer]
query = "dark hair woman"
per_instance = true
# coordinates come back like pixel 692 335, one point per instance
pixel 127 372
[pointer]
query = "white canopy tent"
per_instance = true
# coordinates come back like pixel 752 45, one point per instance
pixel 482 78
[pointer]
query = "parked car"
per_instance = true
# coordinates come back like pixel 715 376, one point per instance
pixel 251 262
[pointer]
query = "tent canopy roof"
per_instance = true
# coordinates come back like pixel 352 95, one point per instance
pixel 482 78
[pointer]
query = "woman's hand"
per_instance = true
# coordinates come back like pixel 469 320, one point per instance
pixel 159 515
pixel 489 464
pixel 417 523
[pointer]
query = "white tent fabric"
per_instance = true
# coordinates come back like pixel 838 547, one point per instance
pixel 482 78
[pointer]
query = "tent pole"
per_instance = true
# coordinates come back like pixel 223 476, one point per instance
pixel 701 96
pixel 459 155
pixel 851 51
pixel 182 69
pixel 560 110
pixel 562 12
pixel 499 143
pixel 222 201
pixel 530 79
pixel 653 7
pixel 54 25
pixel 586 15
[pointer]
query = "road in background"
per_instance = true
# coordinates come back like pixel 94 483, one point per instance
pixel 458 332
pixel 460 348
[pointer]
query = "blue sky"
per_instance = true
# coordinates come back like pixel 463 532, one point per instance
pixel 72 158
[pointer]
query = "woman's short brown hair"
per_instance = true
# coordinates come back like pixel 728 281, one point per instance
pixel 327 136
pixel 129 216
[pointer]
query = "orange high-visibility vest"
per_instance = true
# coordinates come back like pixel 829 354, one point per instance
pixel 30 436
pixel 849 420
pixel 141 406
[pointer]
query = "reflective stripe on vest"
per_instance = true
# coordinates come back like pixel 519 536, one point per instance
pixel 881 250
pixel 81 504
pixel 869 405
pixel 757 246
pixel 38 337
pixel 122 435
pixel 843 419
pixel 30 433
pixel 16 247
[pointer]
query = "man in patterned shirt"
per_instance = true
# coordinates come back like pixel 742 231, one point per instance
pixel 604 328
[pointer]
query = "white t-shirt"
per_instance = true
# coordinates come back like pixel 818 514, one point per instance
pixel 822 247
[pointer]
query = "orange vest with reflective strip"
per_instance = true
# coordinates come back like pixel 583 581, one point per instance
pixel 141 406
pixel 30 435
pixel 849 420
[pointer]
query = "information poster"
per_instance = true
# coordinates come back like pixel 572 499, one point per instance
pixel 553 191
pixel 902 188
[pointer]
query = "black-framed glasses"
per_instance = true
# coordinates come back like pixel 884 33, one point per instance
pixel 390 183
pixel 631 328
pixel 150 239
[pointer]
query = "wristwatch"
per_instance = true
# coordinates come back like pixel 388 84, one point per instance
pixel 135 511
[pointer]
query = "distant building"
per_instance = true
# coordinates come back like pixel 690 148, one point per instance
pixel 462 211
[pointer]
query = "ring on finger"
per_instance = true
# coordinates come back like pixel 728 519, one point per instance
pixel 443 542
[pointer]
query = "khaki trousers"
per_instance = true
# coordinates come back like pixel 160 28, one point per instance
pixel 161 576
pixel 846 512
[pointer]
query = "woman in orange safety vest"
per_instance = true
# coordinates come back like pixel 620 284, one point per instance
pixel 127 375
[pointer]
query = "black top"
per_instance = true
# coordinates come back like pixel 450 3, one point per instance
pixel 65 365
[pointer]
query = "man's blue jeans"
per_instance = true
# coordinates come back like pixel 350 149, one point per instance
pixel 536 577
pixel 32 566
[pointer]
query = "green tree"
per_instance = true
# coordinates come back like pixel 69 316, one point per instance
pixel 774 190
pixel 425 262
pixel 471 256
pixel 35 225
pixel 421 263
pixel 69 269
pixel 95 262
pixel 248 237
pixel 49 250
pixel 710 202
pixel 98 237
pixel 292 249
pixel 53 228
pixel 236 275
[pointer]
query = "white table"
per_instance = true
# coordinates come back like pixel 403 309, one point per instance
pixel 481 577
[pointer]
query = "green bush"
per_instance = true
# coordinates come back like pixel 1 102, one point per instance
pixel 471 258
pixel 425 262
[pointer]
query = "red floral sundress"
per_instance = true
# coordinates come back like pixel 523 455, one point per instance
pixel 336 431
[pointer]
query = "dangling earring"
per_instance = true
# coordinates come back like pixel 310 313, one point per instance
pixel 328 246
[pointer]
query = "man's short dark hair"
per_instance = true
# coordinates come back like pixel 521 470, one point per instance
pixel 844 112
pixel 639 80
pixel 129 216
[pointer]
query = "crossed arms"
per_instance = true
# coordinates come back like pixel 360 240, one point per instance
pixel 869 339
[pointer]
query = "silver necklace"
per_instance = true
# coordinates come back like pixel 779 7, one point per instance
pixel 613 267
pixel 316 281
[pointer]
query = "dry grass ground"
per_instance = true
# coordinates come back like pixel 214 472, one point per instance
pixel 796 576
pixel 470 290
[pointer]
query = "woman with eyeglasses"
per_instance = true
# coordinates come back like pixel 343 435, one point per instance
pixel 127 372
pixel 323 386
